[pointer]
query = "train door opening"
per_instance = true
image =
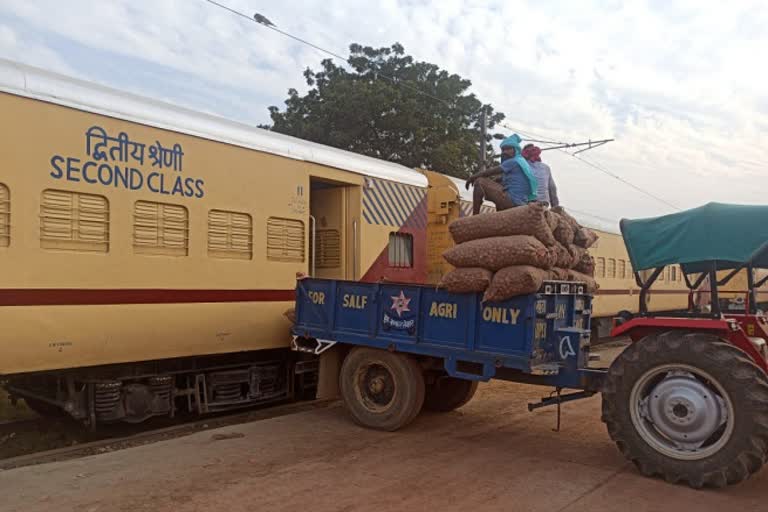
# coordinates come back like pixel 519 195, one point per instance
pixel 334 253
pixel 334 229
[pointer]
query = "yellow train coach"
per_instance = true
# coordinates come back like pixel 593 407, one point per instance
pixel 148 253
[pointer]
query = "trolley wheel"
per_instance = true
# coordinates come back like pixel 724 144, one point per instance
pixel 688 407
pixel 449 393
pixel 381 390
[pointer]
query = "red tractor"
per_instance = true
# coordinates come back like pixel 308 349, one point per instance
pixel 688 400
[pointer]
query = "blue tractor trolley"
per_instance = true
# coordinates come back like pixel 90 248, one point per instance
pixel 542 338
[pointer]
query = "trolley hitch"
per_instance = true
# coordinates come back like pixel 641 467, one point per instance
pixel 555 398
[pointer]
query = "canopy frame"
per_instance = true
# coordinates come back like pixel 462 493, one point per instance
pixel 700 241
pixel 692 285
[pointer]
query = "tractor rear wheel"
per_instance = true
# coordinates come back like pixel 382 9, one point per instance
pixel 448 393
pixel 381 390
pixel 688 407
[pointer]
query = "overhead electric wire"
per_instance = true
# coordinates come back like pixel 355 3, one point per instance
pixel 329 52
pixel 273 27
pixel 539 139
pixel 529 136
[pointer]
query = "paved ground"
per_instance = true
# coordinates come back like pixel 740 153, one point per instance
pixel 491 455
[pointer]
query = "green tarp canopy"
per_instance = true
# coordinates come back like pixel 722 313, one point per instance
pixel 727 235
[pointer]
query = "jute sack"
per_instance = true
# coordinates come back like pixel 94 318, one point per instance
pixel 585 238
pixel 564 231
pixel 563 257
pixel 592 285
pixel 512 281
pixel 559 274
pixel 576 254
pixel 552 219
pixel 500 251
pixel 586 265
pixel 466 280
pixel 560 211
pixel 530 219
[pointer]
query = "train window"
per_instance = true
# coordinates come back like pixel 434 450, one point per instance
pixel 72 221
pixel 285 239
pixel 160 229
pixel 600 267
pixel 328 248
pixel 400 250
pixel 673 274
pixel 230 235
pixel 5 216
pixel 621 272
pixel 611 268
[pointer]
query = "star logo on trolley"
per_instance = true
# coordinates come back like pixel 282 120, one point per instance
pixel 400 303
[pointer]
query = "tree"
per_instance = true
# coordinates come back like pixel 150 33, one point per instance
pixel 384 106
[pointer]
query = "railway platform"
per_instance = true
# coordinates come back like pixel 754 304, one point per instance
pixel 490 455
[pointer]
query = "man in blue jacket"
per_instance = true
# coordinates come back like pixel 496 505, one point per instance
pixel 518 184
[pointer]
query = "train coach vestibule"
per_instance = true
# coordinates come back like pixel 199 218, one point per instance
pixel 334 229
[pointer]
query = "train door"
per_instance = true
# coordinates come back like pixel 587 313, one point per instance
pixel 334 229
pixel 334 241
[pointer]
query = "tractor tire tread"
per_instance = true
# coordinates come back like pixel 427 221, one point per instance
pixel 748 389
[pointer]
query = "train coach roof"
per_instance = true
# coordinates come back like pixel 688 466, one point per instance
pixel 724 234
pixel 23 80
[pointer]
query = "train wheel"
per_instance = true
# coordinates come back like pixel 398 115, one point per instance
pixel 381 390
pixel 449 393
pixel 688 407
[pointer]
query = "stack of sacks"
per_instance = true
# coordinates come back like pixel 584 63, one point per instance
pixel 514 251
pixel 574 240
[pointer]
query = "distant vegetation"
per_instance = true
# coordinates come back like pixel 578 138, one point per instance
pixel 381 109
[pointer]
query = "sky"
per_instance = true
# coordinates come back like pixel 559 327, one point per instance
pixel 681 85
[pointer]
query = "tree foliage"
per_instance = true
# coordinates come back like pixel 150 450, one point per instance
pixel 380 106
